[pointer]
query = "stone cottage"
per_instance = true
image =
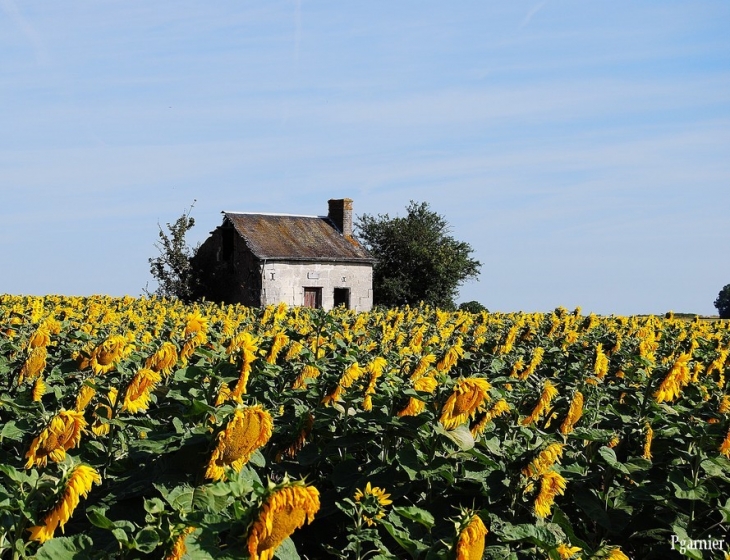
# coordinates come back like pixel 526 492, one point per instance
pixel 259 259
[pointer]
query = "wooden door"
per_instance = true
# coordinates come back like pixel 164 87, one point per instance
pixel 313 297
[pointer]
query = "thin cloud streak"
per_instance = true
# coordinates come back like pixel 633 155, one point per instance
pixel 532 13
pixel 34 38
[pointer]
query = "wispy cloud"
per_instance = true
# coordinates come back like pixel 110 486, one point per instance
pixel 12 11
pixel 532 13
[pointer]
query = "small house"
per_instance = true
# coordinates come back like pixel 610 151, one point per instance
pixel 259 259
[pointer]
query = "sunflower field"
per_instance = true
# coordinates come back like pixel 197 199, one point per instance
pixel 145 428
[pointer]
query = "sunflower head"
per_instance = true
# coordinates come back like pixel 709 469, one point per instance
pixel 62 433
pixel 373 501
pixel 104 357
pixel 285 509
pixel 471 535
pixel 249 429
pixel 468 397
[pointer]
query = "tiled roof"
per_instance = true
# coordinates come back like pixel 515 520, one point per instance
pixel 288 237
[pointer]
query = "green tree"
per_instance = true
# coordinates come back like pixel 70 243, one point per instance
pixel 722 303
pixel 417 259
pixel 171 268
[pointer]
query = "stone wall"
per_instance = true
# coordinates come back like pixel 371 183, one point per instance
pixel 285 281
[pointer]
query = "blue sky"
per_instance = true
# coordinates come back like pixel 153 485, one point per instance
pixel 581 148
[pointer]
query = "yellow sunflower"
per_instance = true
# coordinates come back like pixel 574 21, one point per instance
pixel 373 499
pixel 61 434
pixel 104 357
pixel 78 485
pixel 284 511
pixel 249 429
pixel 470 545
pixel 137 396
pixel 468 397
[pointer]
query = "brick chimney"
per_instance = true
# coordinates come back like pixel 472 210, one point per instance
pixel 340 212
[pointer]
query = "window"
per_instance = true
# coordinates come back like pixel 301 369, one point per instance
pixel 342 297
pixel 313 297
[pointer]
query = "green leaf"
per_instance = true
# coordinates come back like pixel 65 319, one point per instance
pixel 461 436
pixel 591 434
pixel 146 540
pixel 546 536
pixel 257 459
pixel 287 551
pixel 593 507
pixel 179 426
pixel 11 431
pixel 718 467
pixel 685 489
pixel 416 514
pixel 560 519
pixel 98 519
pixel 609 456
pixel 65 548
pixel 121 536
pixel 411 546
pixel 14 474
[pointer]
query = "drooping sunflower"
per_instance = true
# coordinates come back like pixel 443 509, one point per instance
pixel 575 411
pixel 725 446
pixel 482 420
pixel 552 484
pixel 164 359
pixel 546 459
pixel 375 370
pixel 103 413
pixel 137 396
pixel 308 372
pixel 647 441
pixel 248 346
pixel 41 337
pixel 84 396
pixel 249 429
pixel 34 364
pixel 675 381
pixel 62 433
pixel 78 486
pixel 104 357
pixel 280 340
pixel 600 365
pixel 468 397
pixel 534 363
pixel 179 548
pixel 305 428
pixel 284 511
pixel 549 392
pixel 451 356
pixel 415 406
pixel 39 389
pixel 470 545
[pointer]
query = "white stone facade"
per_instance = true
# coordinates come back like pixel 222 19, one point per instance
pixel 287 281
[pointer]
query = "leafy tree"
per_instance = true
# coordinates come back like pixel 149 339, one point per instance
pixel 472 307
pixel 417 259
pixel 722 303
pixel 172 269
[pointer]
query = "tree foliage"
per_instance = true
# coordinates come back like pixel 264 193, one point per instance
pixel 417 259
pixel 722 303
pixel 172 268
